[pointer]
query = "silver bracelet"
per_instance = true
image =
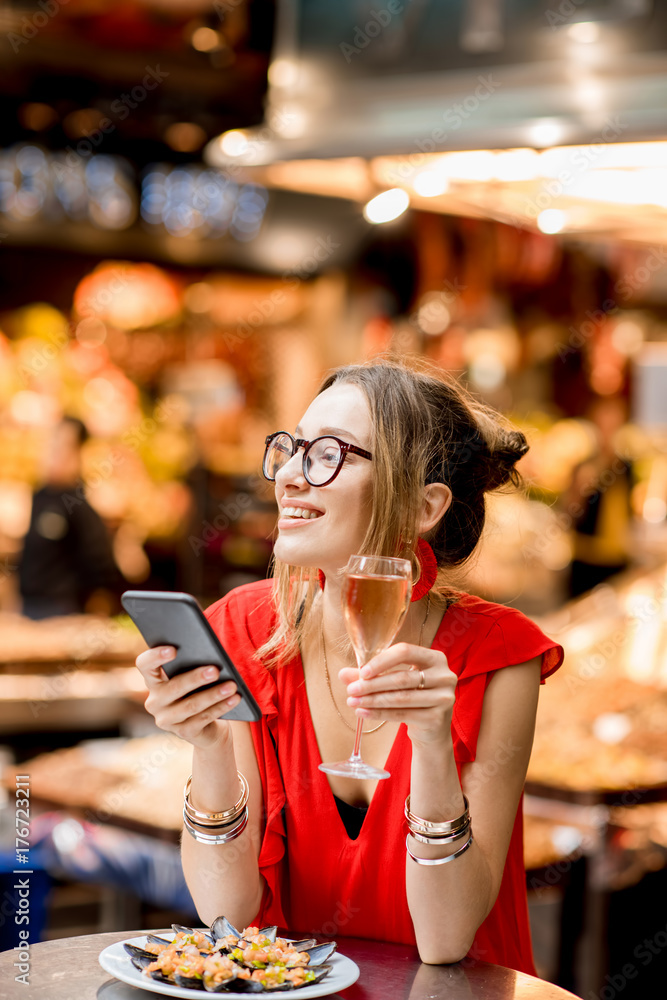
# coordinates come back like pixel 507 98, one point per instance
pixel 439 861
pixel 440 841
pixel 217 838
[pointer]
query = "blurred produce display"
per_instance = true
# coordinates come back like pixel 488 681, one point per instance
pixel 602 719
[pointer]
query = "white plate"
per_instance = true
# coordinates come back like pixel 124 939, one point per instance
pixel 116 961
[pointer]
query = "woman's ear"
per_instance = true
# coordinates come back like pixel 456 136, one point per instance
pixel 437 499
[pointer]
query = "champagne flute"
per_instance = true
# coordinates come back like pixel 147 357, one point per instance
pixel 376 597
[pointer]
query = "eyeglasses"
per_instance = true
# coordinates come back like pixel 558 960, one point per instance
pixel 323 457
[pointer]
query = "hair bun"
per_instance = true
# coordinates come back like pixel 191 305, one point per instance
pixel 504 452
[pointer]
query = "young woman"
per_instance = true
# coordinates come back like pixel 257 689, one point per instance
pixel 450 707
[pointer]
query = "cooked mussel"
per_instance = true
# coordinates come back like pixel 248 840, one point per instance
pixel 189 982
pixel 155 939
pixel 219 973
pixel 140 954
pixel 303 945
pixel 319 953
pixel 222 928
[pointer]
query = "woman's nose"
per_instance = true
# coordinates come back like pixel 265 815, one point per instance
pixel 291 473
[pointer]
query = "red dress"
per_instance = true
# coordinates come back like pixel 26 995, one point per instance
pixel 319 880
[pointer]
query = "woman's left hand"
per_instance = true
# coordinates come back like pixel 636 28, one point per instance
pixel 389 689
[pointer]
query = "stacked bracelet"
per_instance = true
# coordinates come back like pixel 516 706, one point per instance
pixel 439 861
pixel 216 827
pixel 438 834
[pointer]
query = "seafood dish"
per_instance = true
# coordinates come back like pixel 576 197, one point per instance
pixel 254 960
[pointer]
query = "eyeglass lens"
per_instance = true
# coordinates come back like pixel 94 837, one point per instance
pixel 319 463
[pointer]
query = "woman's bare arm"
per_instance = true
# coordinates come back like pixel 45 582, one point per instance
pixel 449 902
pixel 223 879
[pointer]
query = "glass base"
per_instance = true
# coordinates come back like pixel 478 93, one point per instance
pixel 354 769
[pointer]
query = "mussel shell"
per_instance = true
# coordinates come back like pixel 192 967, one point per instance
pixel 139 963
pixel 320 953
pixel 189 982
pixel 269 932
pixel 248 986
pixel 154 939
pixel 221 927
pixel 139 953
pixel 160 977
pixel 304 945
pixel 180 929
pixel 322 971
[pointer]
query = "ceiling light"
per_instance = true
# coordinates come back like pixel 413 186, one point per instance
pixel 429 184
pixel 387 206
pixel 551 220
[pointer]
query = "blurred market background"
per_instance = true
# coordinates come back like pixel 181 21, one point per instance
pixel 203 208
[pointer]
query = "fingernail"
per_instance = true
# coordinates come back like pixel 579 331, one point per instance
pixel 211 672
pixel 354 688
pixel 226 689
pixel 167 651
pixel 353 701
pixel 365 671
pixel 363 713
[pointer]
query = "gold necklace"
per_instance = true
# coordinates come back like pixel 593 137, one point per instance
pixel 353 729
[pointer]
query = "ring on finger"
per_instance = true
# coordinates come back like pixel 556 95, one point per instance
pixel 422 681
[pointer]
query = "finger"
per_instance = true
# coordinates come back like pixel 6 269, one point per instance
pixel 441 697
pixel 192 727
pixel 151 661
pixel 394 681
pixel 176 712
pixel 402 652
pixel 422 717
pixel 184 684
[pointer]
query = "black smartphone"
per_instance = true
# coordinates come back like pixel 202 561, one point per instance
pixel 172 619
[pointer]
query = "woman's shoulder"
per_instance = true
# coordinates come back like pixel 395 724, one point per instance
pixel 490 635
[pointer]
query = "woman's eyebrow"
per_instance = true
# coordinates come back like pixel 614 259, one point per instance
pixel 337 431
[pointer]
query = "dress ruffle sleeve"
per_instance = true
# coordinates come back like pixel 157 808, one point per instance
pixel 242 621
pixel 480 639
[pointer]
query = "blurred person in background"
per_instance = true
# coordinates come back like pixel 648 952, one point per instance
pixel 600 500
pixel 67 565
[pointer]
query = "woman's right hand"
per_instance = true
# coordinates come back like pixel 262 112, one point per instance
pixel 171 702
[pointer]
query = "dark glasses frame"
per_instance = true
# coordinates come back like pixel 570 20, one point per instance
pixel 307 445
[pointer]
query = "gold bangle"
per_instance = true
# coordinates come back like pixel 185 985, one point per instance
pixel 224 818
pixel 214 839
pixel 451 838
pixel 430 829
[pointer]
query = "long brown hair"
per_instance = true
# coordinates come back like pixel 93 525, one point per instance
pixel 426 428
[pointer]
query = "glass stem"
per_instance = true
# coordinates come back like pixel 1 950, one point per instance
pixel 356 753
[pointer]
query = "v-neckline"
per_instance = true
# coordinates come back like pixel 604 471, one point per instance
pixel 387 766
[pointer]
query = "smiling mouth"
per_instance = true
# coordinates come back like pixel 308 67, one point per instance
pixel 300 513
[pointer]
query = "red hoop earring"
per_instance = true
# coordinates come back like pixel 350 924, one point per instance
pixel 429 570
pixel 321 579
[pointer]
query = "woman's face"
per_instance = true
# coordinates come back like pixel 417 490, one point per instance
pixel 343 508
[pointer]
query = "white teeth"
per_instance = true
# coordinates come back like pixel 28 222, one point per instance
pixel 302 512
